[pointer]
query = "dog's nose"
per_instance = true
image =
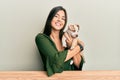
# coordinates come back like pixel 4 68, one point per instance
pixel 76 35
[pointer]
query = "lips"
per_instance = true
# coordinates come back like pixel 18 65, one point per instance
pixel 58 24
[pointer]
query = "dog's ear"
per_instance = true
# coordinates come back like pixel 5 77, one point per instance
pixel 70 27
pixel 78 26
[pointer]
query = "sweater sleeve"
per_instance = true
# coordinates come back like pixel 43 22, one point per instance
pixel 54 58
pixel 80 66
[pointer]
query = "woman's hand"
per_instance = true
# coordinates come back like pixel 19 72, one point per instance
pixel 69 40
pixel 81 44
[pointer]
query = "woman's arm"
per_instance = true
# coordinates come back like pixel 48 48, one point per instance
pixel 77 60
pixel 77 56
pixel 72 52
pixel 53 59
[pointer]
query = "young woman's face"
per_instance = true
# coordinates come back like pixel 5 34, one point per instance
pixel 58 20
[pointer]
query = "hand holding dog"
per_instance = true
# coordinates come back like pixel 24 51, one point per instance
pixel 69 40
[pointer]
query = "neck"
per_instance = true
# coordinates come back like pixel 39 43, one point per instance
pixel 55 34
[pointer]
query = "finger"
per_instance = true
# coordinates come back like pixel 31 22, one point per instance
pixel 67 40
pixel 70 38
pixel 67 36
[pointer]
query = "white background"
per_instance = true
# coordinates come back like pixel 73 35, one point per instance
pixel 22 20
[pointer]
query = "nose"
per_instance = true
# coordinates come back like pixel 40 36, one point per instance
pixel 59 19
pixel 76 35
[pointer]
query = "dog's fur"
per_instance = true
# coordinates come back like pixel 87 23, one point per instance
pixel 73 32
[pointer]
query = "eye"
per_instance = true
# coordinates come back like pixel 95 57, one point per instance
pixel 63 18
pixel 73 30
pixel 56 16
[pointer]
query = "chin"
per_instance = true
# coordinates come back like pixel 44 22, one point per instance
pixel 59 28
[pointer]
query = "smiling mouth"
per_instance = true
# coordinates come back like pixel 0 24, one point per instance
pixel 58 24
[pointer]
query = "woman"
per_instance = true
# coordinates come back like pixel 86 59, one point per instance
pixel 54 56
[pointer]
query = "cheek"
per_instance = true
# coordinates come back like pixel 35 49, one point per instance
pixel 52 22
pixel 63 22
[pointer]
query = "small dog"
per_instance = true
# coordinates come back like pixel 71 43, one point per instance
pixel 73 32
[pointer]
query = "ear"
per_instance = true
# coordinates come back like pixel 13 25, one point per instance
pixel 69 27
pixel 78 26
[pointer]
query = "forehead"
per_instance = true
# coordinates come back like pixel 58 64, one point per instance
pixel 76 27
pixel 61 13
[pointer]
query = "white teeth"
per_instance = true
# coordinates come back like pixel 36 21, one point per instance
pixel 57 24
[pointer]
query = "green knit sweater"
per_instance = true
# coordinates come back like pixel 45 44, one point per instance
pixel 53 59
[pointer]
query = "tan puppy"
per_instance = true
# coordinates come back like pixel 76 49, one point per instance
pixel 73 32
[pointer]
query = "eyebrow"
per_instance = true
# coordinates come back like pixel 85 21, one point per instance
pixel 59 15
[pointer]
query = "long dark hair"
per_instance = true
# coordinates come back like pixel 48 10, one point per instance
pixel 47 29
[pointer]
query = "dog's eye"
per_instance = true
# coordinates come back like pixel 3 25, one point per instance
pixel 73 30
